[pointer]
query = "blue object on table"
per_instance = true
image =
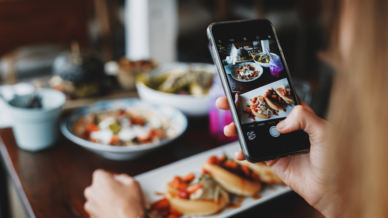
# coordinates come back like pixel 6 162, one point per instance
pixel 37 128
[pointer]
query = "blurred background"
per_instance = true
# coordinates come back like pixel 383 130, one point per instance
pixel 33 33
pixel 134 36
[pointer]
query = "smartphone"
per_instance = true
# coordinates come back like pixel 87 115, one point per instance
pixel 258 86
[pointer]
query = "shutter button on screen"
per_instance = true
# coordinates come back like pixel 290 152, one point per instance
pixel 273 131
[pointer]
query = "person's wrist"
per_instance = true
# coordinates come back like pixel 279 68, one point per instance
pixel 328 205
pixel 128 213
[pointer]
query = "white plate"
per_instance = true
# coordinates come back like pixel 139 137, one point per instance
pixel 156 180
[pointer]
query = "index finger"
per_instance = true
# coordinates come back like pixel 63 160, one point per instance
pixel 222 103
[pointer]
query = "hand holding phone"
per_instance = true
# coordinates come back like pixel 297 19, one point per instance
pixel 258 87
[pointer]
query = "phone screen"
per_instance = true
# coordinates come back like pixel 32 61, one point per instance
pixel 262 92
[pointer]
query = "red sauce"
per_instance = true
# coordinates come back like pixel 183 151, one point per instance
pixel 257 196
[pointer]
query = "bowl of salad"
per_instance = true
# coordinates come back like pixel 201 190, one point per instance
pixel 185 86
pixel 124 129
pixel 246 72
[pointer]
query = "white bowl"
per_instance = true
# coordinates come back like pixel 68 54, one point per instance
pixel 193 106
pixel 264 64
pixel 177 119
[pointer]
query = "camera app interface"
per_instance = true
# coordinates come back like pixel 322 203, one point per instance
pixel 259 84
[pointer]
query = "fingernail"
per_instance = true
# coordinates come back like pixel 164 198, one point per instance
pixel 282 125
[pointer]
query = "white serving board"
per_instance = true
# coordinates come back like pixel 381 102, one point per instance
pixel 245 99
pixel 155 181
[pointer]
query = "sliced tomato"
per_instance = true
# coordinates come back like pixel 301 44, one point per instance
pixel 162 204
pixel 193 188
pixel 231 164
pixel 221 159
pixel 183 194
pixel 246 170
pixel 175 182
pixel 158 133
pixel 137 121
pixel 254 99
pixel 182 186
pixel 213 160
pixel 204 172
pixel 114 140
pixel 188 178
pixel 259 108
pixel 91 127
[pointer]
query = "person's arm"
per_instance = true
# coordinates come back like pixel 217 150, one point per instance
pixel 113 195
pixel 305 174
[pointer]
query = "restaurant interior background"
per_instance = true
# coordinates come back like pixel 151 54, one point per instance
pixel 34 32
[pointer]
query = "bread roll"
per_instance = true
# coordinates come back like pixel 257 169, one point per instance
pixel 287 98
pixel 275 105
pixel 196 207
pixel 264 172
pixel 230 181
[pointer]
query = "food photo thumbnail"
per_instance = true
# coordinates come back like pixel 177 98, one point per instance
pixel 245 60
pixel 271 101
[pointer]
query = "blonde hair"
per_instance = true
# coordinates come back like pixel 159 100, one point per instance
pixel 358 153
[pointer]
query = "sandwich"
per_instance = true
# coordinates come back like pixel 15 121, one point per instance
pixel 196 195
pixel 265 173
pixel 233 177
pixel 285 94
pixel 274 100
pixel 260 108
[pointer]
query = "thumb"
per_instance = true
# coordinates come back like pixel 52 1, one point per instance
pixel 124 179
pixel 301 118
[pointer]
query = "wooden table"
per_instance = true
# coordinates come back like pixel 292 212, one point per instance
pixel 51 182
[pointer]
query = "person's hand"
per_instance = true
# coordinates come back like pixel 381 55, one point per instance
pixel 113 195
pixel 305 174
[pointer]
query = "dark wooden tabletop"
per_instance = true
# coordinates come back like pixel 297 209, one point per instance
pixel 51 182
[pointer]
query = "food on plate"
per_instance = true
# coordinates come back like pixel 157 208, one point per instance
pixel 260 108
pixel 262 58
pixel 127 71
pixel 233 177
pixel 251 135
pixel 246 72
pixel 192 82
pixel 195 195
pixel 133 126
pixel 285 93
pixel 264 172
pixel 274 100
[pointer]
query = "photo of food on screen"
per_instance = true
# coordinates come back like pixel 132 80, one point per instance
pixel 257 80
